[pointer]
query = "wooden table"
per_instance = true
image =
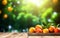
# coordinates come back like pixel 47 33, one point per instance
pixel 44 37
pixel 23 35
pixel 41 35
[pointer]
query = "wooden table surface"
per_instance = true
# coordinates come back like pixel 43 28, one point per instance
pixel 23 35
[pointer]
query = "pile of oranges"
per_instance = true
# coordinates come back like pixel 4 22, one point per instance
pixel 39 29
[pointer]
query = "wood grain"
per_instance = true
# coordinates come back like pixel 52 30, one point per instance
pixel 23 35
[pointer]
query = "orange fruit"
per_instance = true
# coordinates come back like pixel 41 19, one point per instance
pixel 10 9
pixel 4 2
pixel 51 29
pixel 38 31
pixel 32 30
pixel 56 30
pixel 38 26
pixel 52 26
pixel 45 30
pixel 59 30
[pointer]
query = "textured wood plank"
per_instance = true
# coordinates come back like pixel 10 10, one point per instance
pixel 23 35
pixel 14 35
pixel 48 36
pixel 57 36
pixel 35 37
pixel 41 34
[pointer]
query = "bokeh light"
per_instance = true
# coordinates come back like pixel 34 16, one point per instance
pixel 18 2
pixel 9 26
pixel 5 16
pixel 55 1
pixel 54 15
pixel 0 11
pixel 37 3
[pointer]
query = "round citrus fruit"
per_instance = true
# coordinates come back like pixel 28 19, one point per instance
pixel 38 31
pixel 38 26
pixel 51 29
pixel 32 30
pixel 45 30
pixel 56 30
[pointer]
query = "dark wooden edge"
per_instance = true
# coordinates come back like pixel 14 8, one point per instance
pixel 41 34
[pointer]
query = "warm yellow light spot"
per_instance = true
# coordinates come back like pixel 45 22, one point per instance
pixel 5 16
pixel 10 9
pixel 0 11
pixel 55 1
pixel 4 2
pixel 35 2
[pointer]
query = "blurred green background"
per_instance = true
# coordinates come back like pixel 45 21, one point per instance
pixel 19 15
